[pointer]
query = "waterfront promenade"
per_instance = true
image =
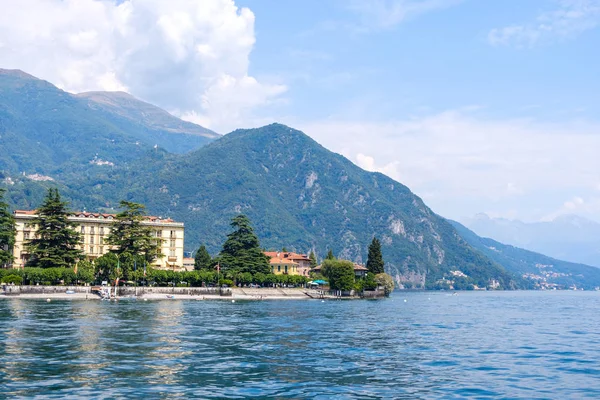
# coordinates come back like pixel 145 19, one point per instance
pixel 166 293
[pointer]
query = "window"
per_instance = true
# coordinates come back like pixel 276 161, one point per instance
pixel 279 268
pixel 91 240
pixel 82 229
pixel 102 230
pixel 173 234
pixel 158 234
pixel 101 249
pixel 172 242
pixel 172 253
pixel 285 269
pixel 91 249
pixel 26 235
pixel 101 241
pixel 92 230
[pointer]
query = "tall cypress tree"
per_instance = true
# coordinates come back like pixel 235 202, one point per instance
pixel 375 259
pixel 313 259
pixel 330 255
pixel 56 241
pixel 202 259
pixel 129 236
pixel 7 232
pixel 241 251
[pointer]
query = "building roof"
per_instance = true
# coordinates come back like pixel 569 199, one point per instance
pixel 85 214
pixel 287 255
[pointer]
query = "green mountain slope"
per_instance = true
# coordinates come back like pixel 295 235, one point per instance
pixel 299 195
pixel 174 134
pixel 538 268
pixel 48 131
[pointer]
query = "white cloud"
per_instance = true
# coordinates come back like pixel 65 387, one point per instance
pixel 461 163
pixel 589 208
pixel 187 56
pixel 384 14
pixel 368 163
pixel 569 19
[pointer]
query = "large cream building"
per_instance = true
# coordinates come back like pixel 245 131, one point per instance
pixel 94 229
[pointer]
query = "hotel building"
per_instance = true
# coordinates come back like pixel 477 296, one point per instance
pixel 95 228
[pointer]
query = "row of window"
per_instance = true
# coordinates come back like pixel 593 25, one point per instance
pixel 285 269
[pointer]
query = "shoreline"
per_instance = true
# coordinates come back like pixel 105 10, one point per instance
pixel 237 294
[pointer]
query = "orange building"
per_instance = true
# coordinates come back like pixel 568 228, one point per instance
pixel 288 263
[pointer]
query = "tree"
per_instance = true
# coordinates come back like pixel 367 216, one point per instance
pixel 129 235
pixel 330 255
pixel 241 251
pixel 56 241
pixel 339 273
pixel 386 281
pixel 375 259
pixel 202 260
pixel 313 259
pixel 7 232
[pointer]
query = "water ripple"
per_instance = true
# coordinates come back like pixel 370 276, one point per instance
pixel 478 345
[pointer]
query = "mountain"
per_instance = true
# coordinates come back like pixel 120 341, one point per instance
pixel 299 195
pixel 567 237
pixel 44 130
pixel 147 115
pixel 541 270
pixel 99 148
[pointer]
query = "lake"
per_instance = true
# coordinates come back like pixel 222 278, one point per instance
pixel 413 345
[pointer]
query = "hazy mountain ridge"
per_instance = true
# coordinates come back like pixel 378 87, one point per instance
pixel 51 132
pixel 538 268
pixel 152 117
pixel 567 237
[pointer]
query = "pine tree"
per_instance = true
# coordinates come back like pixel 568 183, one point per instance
pixel 330 255
pixel 313 259
pixel 202 261
pixel 56 241
pixel 129 236
pixel 375 259
pixel 7 232
pixel 241 251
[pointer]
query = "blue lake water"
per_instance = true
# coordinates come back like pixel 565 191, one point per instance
pixel 433 345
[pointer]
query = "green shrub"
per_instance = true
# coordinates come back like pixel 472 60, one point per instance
pixel 339 273
pixel 15 279
pixel 227 282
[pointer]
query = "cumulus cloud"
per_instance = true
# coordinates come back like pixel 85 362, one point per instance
pixel 368 163
pixel 569 19
pixel 187 56
pixel 461 162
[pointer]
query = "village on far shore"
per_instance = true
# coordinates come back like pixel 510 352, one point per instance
pixel 52 251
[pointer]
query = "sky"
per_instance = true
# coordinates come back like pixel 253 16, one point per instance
pixel 477 106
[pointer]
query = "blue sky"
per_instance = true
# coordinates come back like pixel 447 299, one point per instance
pixel 338 61
pixel 477 106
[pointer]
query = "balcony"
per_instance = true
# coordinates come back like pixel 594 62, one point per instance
pixel 172 258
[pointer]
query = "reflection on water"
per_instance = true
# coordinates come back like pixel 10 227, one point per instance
pixel 523 344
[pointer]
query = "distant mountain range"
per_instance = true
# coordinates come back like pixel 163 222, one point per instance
pixel 98 148
pixel 568 237
pixel 46 130
pixel 542 271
